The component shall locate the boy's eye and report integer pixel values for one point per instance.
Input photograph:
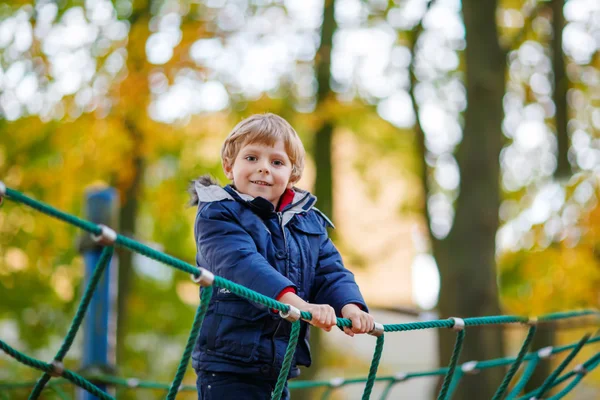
(250, 158)
(278, 163)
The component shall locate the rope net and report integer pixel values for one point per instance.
(452, 374)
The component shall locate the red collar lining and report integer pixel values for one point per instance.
(286, 199)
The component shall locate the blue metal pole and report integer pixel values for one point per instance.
(99, 326)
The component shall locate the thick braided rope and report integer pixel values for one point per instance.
(452, 367)
(458, 374)
(515, 366)
(45, 367)
(374, 367)
(287, 361)
(527, 373)
(104, 260)
(205, 297)
(548, 382)
(589, 365)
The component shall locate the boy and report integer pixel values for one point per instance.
(263, 233)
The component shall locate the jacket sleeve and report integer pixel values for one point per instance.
(227, 250)
(334, 284)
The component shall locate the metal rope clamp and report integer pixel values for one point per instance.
(132, 383)
(545, 352)
(107, 236)
(580, 369)
(57, 370)
(206, 278)
(532, 321)
(336, 382)
(377, 330)
(459, 324)
(470, 367)
(292, 315)
(2, 192)
(400, 377)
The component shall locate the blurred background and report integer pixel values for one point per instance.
(456, 146)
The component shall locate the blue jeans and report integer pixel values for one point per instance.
(226, 385)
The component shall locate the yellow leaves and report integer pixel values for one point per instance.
(62, 283)
(553, 279)
(15, 260)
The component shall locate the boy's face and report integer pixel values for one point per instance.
(261, 170)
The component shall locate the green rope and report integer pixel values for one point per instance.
(287, 361)
(387, 389)
(185, 358)
(373, 369)
(327, 393)
(45, 367)
(589, 365)
(104, 260)
(455, 382)
(515, 366)
(531, 365)
(450, 381)
(548, 382)
(453, 360)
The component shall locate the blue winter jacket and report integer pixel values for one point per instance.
(244, 240)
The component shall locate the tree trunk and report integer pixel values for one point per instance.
(322, 156)
(561, 85)
(466, 257)
(128, 216)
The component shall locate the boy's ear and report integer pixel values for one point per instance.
(292, 182)
(228, 169)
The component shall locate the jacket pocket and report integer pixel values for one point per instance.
(238, 327)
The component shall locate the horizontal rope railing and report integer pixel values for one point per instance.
(108, 237)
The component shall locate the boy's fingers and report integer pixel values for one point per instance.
(356, 324)
(348, 331)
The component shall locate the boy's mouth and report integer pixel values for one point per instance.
(261, 183)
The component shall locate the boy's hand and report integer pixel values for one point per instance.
(361, 321)
(323, 316)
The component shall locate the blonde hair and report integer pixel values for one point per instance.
(265, 129)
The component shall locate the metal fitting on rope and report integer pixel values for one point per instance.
(545, 352)
(459, 324)
(532, 321)
(57, 370)
(2, 191)
(107, 237)
(132, 382)
(377, 330)
(336, 382)
(469, 367)
(400, 376)
(580, 369)
(206, 278)
(292, 315)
